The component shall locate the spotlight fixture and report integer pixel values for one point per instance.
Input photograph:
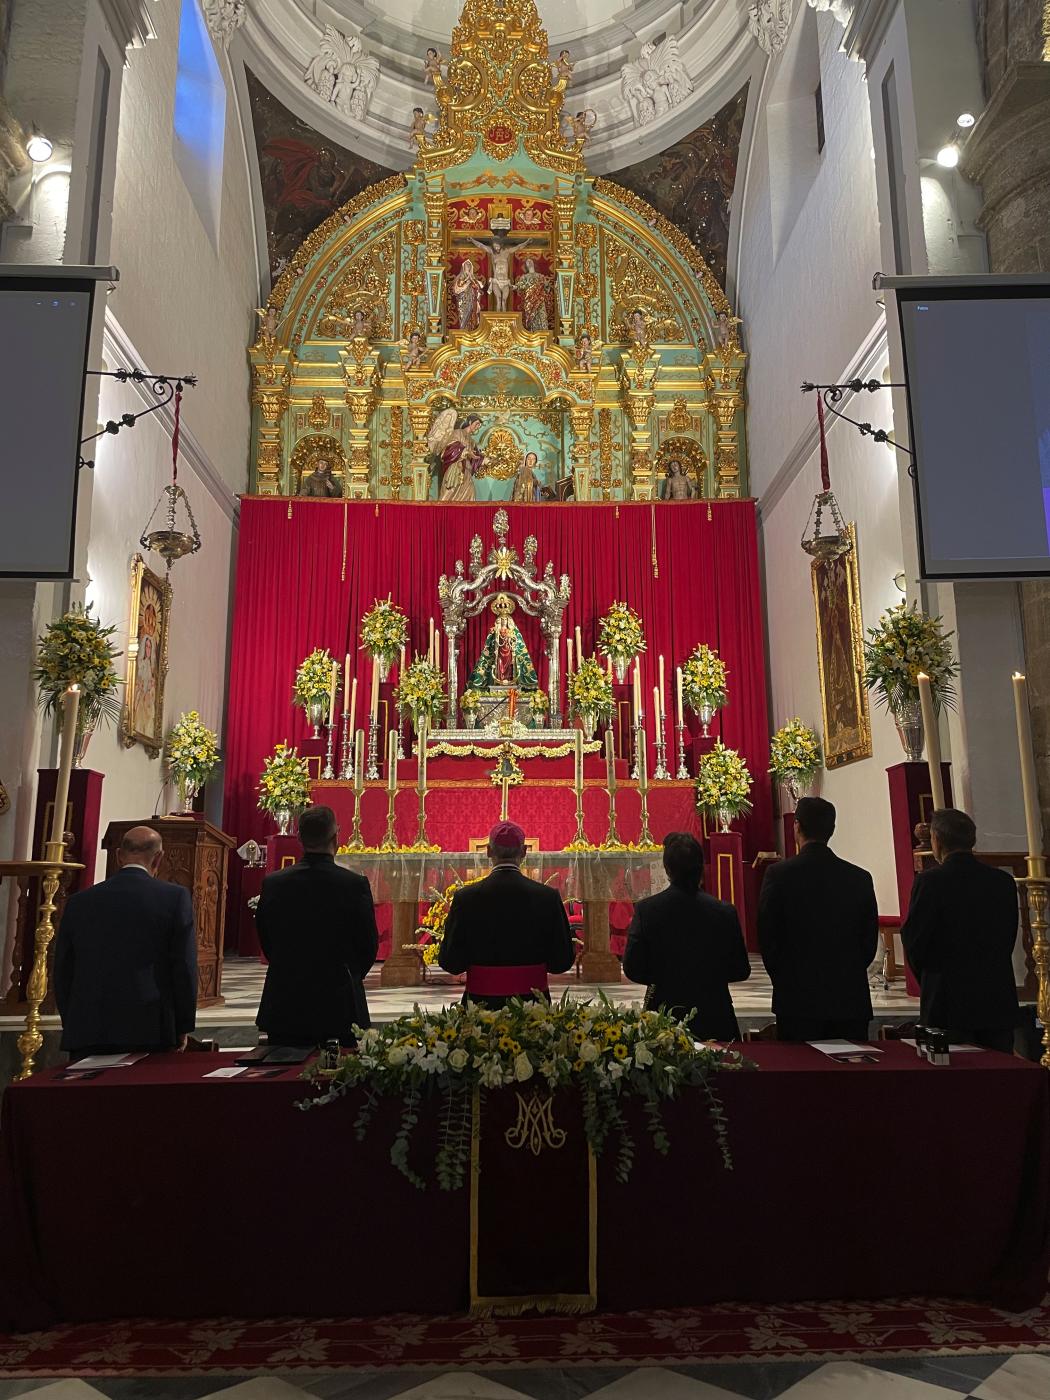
(965, 120)
(948, 156)
(38, 147)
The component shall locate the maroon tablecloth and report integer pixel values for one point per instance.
(848, 1181)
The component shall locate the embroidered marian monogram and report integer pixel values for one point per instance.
(535, 1128)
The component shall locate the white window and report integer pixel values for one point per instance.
(200, 117)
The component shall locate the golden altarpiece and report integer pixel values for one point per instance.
(499, 279)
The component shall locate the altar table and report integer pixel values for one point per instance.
(849, 1181)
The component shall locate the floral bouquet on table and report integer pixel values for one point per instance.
(538, 707)
(192, 754)
(607, 1053)
(470, 703)
(590, 694)
(794, 757)
(420, 693)
(384, 631)
(704, 683)
(75, 649)
(620, 637)
(723, 785)
(284, 788)
(313, 685)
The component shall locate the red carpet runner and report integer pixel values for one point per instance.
(687, 1336)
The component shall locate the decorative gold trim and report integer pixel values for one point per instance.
(154, 742)
(862, 749)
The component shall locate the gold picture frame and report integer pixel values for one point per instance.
(142, 718)
(840, 657)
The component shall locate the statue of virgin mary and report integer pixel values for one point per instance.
(504, 661)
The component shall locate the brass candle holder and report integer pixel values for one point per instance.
(356, 840)
(1037, 892)
(390, 839)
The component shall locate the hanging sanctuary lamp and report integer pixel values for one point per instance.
(819, 542)
(170, 542)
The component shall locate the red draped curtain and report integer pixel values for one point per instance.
(307, 571)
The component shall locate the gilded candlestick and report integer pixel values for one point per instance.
(390, 839)
(612, 836)
(356, 840)
(1037, 890)
(645, 836)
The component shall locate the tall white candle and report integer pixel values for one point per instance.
(391, 760)
(933, 740)
(608, 667)
(663, 688)
(70, 706)
(333, 687)
(678, 693)
(568, 653)
(610, 761)
(437, 650)
(373, 708)
(579, 645)
(352, 711)
(421, 746)
(656, 709)
(578, 776)
(637, 693)
(1030, 788)
(359, 760)
(346, 685)
(401, 664)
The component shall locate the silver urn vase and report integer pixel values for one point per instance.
(315, 714)
(908, 719)
(283, 818)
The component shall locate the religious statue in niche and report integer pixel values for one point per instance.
(532, 287)
(455, 455)
(504, 661)
(500, 252)
(676, 485)
(468, 288)
(526, 485)
(320, 483)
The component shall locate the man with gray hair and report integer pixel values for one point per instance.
(506, 932)
(126, 958)
(959, 937)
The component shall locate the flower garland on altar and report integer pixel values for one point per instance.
(607, 1053)
(704, 679)
(455, 749)
(905, 642)
(384, 631)
(75, 650)
(723, 783)
(620, 635)
(795, 756)
(420, 693)
(590, 691)
(285, 782)
(313, 679)
(192, 751)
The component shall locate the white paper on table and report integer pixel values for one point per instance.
(843, 1047)
(107, 1061)
(226, 1072)
(958, 1049)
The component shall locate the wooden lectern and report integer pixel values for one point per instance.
(196, 855)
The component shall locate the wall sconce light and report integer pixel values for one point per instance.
(38, 147)
(948, 156)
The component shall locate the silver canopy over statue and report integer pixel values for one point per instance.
(504, 659)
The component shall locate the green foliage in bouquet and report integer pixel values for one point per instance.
(384, 630)
(704, 679)
(192, 750)
(723, 783)
(285, 782)
(75, 649)
(905, 642)
(795, 756)
(313, 679)
(620, 633)
(590, 690)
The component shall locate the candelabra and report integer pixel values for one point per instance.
(639, 741)
(422, 844)
(661, 770)
(328, 772)
(1038, 893)
(373, 750)
(346, 757)
(580, 839)
(612, 836)
(390, 839)
(645, 836)
(683, 771)
(400, 743)
(356, 839)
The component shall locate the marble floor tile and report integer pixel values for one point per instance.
(847, 1380)
(658, 1383)
(68, 1389)
(259, 1388)
(1018, 1378)
(458, 1385)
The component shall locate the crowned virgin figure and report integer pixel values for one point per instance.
(504, 661)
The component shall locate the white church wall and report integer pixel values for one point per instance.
(809, 244)
(186, 303)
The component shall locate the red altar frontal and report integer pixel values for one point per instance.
(307, 571)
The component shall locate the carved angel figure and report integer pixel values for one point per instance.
(770, 23)
(563, 66)
(432, 67)
(579, 127)
(450, 443)
(268, 321)
(657, 82)
(343, 74)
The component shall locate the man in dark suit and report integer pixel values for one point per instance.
(818, 929)
(317, 927)
(126, 958)
(507, 932)
(959, 937)
(688, 946)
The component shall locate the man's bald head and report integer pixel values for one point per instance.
(141, 846)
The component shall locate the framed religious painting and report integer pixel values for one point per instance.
(142, 721)
(840, 658)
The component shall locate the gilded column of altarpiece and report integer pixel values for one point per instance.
(500, 279)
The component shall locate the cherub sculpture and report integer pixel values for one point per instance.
(579, 127)
(432, 65)
(563, 66)
(343, 74)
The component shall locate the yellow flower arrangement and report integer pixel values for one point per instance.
(285, 782)
(421, 692)
(590, 691)
(620, 634)
(723, 783)
(75, 650)
(384, 630)
(192, 750)
(469, 702)
(645, 1055)
(704, 679)
(905, 642)
(313, 679)
(795, 756)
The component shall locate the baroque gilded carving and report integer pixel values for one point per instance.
(635, 286)
(770, 23)
(362, 287)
